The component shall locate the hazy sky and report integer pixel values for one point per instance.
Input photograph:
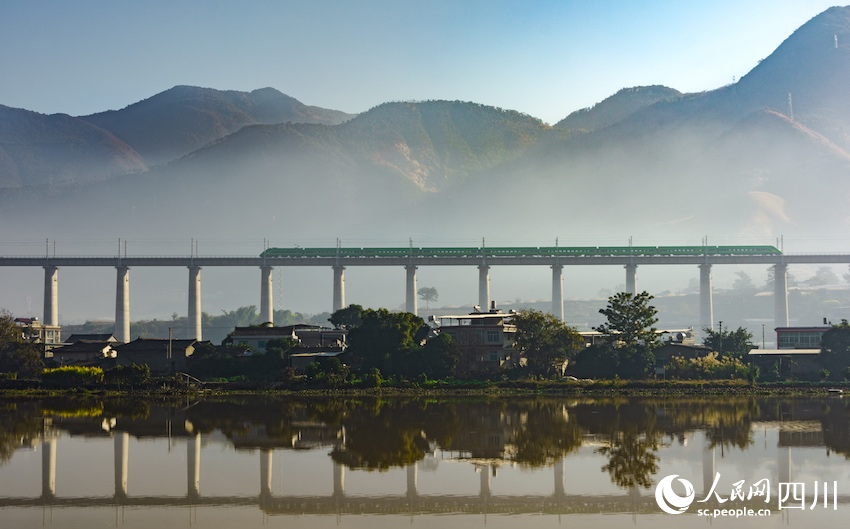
(544, 58)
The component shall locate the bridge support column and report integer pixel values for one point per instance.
(122, 304)
(558, 291)
(339, 287)
(265, 473)
(780, 295)
(193, 462)
(412, 481)
(706, 305)
(266, 295)
(411, 304)
(709, 465)
(194, 316)
(484, 287)
(485, 490)
(51, 296)
(783, 463)
(339, 480)
(122, 460)
(631, 279)
(559, 477)
(48, 466)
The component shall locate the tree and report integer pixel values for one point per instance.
(545, 341)
(428, 294)
(744, 283)
(438, 358)
(824, 276)
(281, 347)
(835, 348)
(16, 355)
(385, 340)
(348, 318)
(735, 344)
(631, 319)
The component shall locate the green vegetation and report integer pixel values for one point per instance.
(628, 353)
(546, 342)
(18, 358)
(709, 367)
(72, 376)
(735, 344)
(835, 351)
(428, 295)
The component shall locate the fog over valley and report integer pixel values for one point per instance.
(762, 160)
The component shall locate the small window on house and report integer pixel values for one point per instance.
(494, 356)
(493, 336)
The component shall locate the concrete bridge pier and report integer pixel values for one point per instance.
(193, 462)
(194, 316)
(339, 287)
(51, 296)
(631, 279)
(266, 295)
(780, 295)
(266, 473)
(783, 463)
(484, 287)
(339, 480)
(558, 291)
(709, 465)
(559, 478)
(706, 305)
(122, 304)
(122, 460)
(48, 466)
(412, 481)
(411, 304)
(485, 490)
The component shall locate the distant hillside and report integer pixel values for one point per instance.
(185, 118)
(647, 161)
(36, 149)
(436, 143)
(617, 107)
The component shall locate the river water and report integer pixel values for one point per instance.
(242, 462)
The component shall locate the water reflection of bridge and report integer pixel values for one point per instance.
(796, 434)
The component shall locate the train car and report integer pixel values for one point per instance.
(522, 251)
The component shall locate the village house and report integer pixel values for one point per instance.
(32, 330)
(85, 352)
(163, 356)
(308, 337)
(485, 338)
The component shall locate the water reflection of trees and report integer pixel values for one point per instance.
(547, 434)
(632, 459)
(381, 433)
(632, 439)
(20, 424)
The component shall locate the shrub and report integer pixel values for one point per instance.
(73, 375)
(707, 367)
(373, 379)
(131, 375)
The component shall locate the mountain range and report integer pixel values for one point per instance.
(766, 156)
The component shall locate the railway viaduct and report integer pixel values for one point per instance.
(410, 259)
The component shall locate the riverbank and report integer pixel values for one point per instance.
(12, 388)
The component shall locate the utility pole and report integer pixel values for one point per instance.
(168, 354)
